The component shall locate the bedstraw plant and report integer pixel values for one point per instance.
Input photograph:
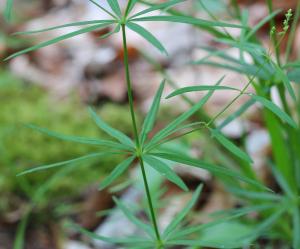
(241, 180)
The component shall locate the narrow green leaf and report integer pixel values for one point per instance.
(114, 31)
(20, 234)
(40, 193)
(253, 195)
(175, 123)
(296, 227)
(185, 19)
(206, 244)
(58, 39)
(229, 215)
(145, 227)
(54, 165)
(73, 24)
(284, 78)
(129, 241)
(105, 10)
(261, 24)
(155, 7)
(8, 9)
(246, 46)
(281, 180)
(264, 225)
(165, 170)
(118, 171)
(240, 67)
(230, 146)
(147, 35)
(214, 169)
(244, 107)
(121, 137)
(151, 115)
(114, 5)
(77, 139)
(130, 7)
(200, 88)
(275, 109)
(242, 211)
(183, 213)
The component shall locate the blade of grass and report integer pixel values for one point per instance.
(284, 78)
(296, 227)
(21, 230)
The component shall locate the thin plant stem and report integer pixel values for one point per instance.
(235, 99)
(274, 38)
(129, 88)
(105, 10)
(292, 32)
(138, 147)
(150, 203)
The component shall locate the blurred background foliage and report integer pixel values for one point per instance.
(21, 147)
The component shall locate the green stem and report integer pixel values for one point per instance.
(129, 88)
(150, 203)
(292, 33)
(138, 147)
(235, 99)
(274, 38)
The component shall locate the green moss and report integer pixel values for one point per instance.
(21, 147)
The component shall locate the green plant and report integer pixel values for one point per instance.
(263, 74)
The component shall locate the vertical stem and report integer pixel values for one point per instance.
(274, 38)
(130, 97)
(129, 88)
(152, 212)
(292, 33)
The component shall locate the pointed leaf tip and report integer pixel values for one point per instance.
(147, 35)
(230, 145)
(118, 171)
